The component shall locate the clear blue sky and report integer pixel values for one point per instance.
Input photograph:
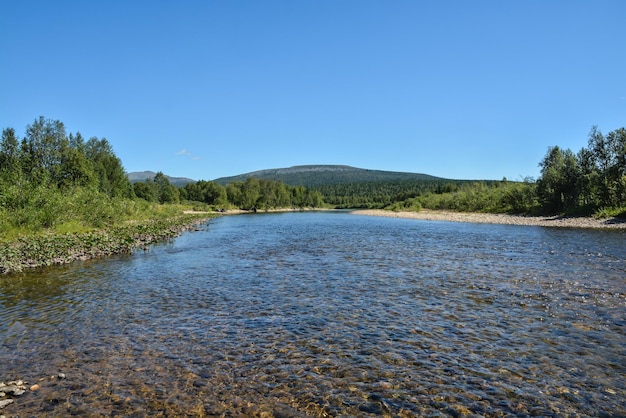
(205, 89)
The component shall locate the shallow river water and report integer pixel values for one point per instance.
(327, 314)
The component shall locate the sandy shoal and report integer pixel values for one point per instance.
(496, 218)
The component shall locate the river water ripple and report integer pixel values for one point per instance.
(328, 314)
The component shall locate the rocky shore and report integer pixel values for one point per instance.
(54, 249)
(498, 218)
(11, 391)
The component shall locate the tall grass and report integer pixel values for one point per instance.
(502, 197)
(40, 226)
(35, 209)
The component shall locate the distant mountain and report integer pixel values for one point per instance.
(321, 175)
(136, 177)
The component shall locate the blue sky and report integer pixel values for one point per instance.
(206, 89)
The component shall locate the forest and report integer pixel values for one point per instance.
(50, 179)
(251, 194)
(58, 181)
(590, 182)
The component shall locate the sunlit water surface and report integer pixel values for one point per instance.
(327, 314)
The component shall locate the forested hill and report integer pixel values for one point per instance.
(322, 175)
(143, 176)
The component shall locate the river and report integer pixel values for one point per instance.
(327, 314)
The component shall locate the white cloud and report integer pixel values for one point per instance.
(183, 152)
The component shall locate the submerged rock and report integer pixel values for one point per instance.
(10, 390)
(5, 402)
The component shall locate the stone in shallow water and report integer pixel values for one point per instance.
(371, 408)
(5, 402)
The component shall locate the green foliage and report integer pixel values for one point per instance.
(158, 190)
(611, 212)
(314, 176)
(379, 194)
(54, 248)
(558, 187)
(207, 192)
(46, 156)
(166, 192)
(590, 181)
(252, 194)
(53, 181)
(49, 179)
(493, 197)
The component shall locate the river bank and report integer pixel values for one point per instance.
(499, 218)
(53, 249)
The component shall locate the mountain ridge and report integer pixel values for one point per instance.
(142, 176)
(303, 175)
(324, 174)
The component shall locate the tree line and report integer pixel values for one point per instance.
(49, 177)
(591, 180)
(252, 194)
(46, 156)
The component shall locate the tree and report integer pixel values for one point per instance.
(75, 170)
(234, 193)
(251, 192)
(108, 169)
(45, 142)
(166, 192)
(213, 193)
(616, 170)
(588, 178)
(606, 159)
(558, 187)
(10, 167)
(146, 191)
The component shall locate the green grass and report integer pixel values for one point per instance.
(503, 197)
(610, 212)
(41, 226)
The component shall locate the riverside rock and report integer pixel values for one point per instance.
(5, 402)
(11, 390)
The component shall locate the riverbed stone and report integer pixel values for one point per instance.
(5, 402)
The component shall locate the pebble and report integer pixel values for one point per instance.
(5, 402)
(497, 218)
(14, 388)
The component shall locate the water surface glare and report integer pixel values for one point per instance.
(328, 314)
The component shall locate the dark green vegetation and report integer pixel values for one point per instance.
(49, 179)
(64, 198)
(55, 248)
(320, 175)
(590, 182)
(593, 180)
(150, 175)
(476, 196)
(252, 194)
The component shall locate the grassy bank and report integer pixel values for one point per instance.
(56, 246)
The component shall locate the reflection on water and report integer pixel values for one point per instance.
(328, 314)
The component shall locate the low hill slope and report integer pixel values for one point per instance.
(321, 175)
(141, 176)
